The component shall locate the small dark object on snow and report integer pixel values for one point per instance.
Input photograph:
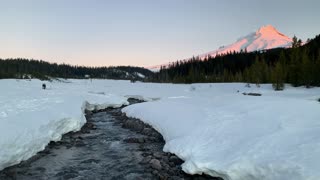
(252, 94)
(319, 100)
(44, 86)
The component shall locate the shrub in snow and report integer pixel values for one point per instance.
(278, 86)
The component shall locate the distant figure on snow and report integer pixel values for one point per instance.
(43, 86)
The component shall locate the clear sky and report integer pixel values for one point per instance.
(141, 32)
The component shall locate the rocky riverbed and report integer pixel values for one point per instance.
(109, 146)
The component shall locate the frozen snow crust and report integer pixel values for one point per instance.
(214, 128)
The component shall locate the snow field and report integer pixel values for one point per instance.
(214, 128)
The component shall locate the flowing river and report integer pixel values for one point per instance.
(105, 148)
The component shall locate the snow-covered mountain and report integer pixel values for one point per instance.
(266, 37)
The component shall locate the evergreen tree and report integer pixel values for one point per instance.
(278, 77)
(294, 68)
(258, 71)
(227, 76)
(299, 42)
(264, 71)
(283, 61)
(238, 77)
(306, 72)
(247, 76)
(317, 70)
(295, 42)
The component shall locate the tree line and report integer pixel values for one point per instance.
(298, 65)
(25, 68)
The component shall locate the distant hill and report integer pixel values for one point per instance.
(25, 68)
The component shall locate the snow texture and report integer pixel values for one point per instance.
(214, 128)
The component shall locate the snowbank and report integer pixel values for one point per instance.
(224, 133)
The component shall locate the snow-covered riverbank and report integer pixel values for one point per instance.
(214, 128)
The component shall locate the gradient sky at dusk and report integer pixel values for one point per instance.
(141, 32)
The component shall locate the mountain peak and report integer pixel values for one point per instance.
(266, 37)
(268, 29)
